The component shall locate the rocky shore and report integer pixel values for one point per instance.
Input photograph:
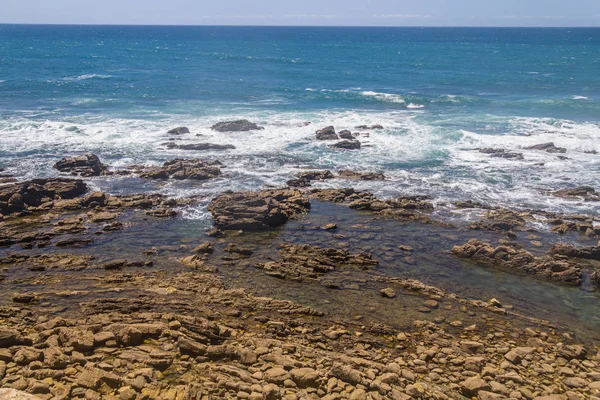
(102, 297)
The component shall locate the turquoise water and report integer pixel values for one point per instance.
(440, 93)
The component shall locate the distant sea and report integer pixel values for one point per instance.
(440, 94)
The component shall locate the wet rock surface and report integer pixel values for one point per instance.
(179, 131)
(199, 146)
(547, 147)
(85, 165)
(363, 176)
(193, 169)
(502, 153)
(346, 145)
(513, 258)
(327, 133)
(241, 125)
(255, 211)
(28, 196)
(586, 193)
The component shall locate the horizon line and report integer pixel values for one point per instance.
(303, 26)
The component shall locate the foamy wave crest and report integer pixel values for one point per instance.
(87, 76)
(384, 97)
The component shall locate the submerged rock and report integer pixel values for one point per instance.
(200, 146)
(547, 147)
(512, 258)
(364, 176)
(86, 165)
(502, 153)
(327, 133)
(179, 131)
(346, 145)
(240, 125)
(257, 211)
(194, 169)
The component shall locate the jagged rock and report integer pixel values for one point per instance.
(519, 260)
(474, 385)
(547, 147)
(20, 197)
(256, 211)
(499, 220)
(204, 248)
(200, 146)
(327, 133)
(240, 125)
(586, 193)
(10, 337)
(346, 145)
(502, 153)
(194, 169)
(80, 339)
(588, 253)
(94, 378)
(300, 182)
(364, 176)
(86, 165)
(304, 261)
(315, 175)
(179, 131)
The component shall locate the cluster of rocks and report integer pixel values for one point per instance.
(514, 258)
(256, 211)
(85, 165)
(586, 193)
(304, 179)
(301, 262)
(349, 142)
(500, 220)
(193, 169)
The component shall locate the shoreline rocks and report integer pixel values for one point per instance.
(199, 146)
(346, 145)
(85, 166)
(327, 133)
(547, 147)
(179, 131)
(256, 211)
(180, 168)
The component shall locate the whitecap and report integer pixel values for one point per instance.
(415, 106)
(580, 98)
(87, 76)
(385, 97)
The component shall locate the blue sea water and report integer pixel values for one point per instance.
(440, 93)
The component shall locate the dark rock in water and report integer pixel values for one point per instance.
(364, 127)
(300, 182)
(180, 169)
(513, 258)
(20, 197)
(471, 204)
(345, 134)
(586, 152)
(257, 211)
(240, 125)
(200, 146)
(586, 193)
(364, 176)
(588, 253)
(502, 153)
(547, 147)
(179, 131)
(346, 145)
(327, 133)
(86, 165)
(315, 175)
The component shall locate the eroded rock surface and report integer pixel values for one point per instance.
(194, 169)
(515, 259)
(547, 147)
(199, 146)
(256, 211)
(85, 165)
(240, 125)
(25, 196)
(363, 176)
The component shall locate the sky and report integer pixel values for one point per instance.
(305, 12)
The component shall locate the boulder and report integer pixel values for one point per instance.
(300, 182)
(256, 211)
(474, 385)
(346, 145)
(363, 176)
(240, 125)
(10, 338)
(315, 175)
(327, 133)
(86, 165)
(179, 131)
(346, 134)
(547, 147)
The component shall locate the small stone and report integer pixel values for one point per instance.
(388, 293)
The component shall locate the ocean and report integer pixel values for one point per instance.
(440, 94)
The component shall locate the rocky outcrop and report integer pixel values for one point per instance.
(363, 176)
(586, 193)
(327, 133)
(502, 153)
(86, 165)
(298, 182)
(300, 262)
(193, 169)
(365, 127)
(240, 125)
(515, 259)
(588, 253)
(179, 131)
(547, 147)
(315, 175)
(346, 145)
(257, 211)
(199, 146)
(20, 197)
(499, 220)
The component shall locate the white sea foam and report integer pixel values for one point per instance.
(87, 76)
(415, 106)
(384, 97)
(580, 98)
